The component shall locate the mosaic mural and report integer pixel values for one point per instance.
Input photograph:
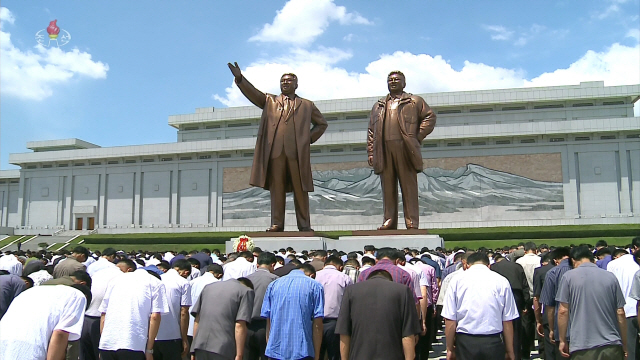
(475, 191)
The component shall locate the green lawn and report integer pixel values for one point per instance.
(8, 240)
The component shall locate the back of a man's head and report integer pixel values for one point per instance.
(366, 260)
(636, 242)
(295, 262)
(81, 276)
(369, 248)
(248, 255)
(126, 265)
(352, 262)
(581, 253)
(478, 258)
(618, 252)
(530, 247)
(182, 264)
(109, 253)
(320, 254)
(83, 251)
(335, 261)
(266, 258)
(216, 269)
(206, 251)
(308, 269)
(388, 253)
(560, 253)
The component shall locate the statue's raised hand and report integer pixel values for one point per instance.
(235, 70)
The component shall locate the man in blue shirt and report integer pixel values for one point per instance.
(550, 290)
(294, 308)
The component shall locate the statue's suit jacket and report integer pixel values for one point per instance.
(303, 114)
(417, 120)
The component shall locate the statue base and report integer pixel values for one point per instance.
(282, 240)
(398, 239)
(273, 241)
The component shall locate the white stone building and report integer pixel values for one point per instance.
(526, 156)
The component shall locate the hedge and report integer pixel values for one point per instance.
(517, 234)
(133, 240)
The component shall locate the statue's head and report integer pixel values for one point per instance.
(288, 84)
(396, 82)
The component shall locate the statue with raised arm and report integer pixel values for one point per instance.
(398, 124)
(281, 160)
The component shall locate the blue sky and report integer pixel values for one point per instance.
(129, 65)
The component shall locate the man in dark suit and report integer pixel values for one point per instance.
(520, 289)
(281, 160)
(256, 335)
(378, 319)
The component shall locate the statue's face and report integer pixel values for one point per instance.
(288, 84)
(395, 83)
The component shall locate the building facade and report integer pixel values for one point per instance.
(512, 157)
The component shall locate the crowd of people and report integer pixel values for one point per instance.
(578, 302)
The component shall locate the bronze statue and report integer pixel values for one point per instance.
(398, 124)
(281, 161)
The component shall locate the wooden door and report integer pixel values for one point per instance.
(79, 223)
(92, 223)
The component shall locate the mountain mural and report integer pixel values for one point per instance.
(358, 192)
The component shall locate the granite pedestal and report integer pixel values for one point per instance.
(271, 243)
(398, 241)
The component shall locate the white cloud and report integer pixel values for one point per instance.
(498, 32)
(634, 33)
(348, 37)
(32, 74)
(302, 21)
(321, 78)
(612, 9)
(6, 16)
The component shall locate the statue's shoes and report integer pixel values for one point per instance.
(275, 228)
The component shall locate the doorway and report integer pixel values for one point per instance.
(92, 223)
(79, 223)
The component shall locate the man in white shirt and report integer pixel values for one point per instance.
(171, 341)
(11, 264)
(90, 338)
(41, 321)
(130, 316)
(105, 261)
(529, 262)
(478, 311)
(243, 266)
(213, 273)
(624, 268)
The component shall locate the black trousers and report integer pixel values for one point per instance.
(517, 337)
(207, 355)
(528, 333)
(330, 340)
(480, 347)
(551, 350)
(121, 355)
(90, 338)
(256, 340)
(167, 349)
